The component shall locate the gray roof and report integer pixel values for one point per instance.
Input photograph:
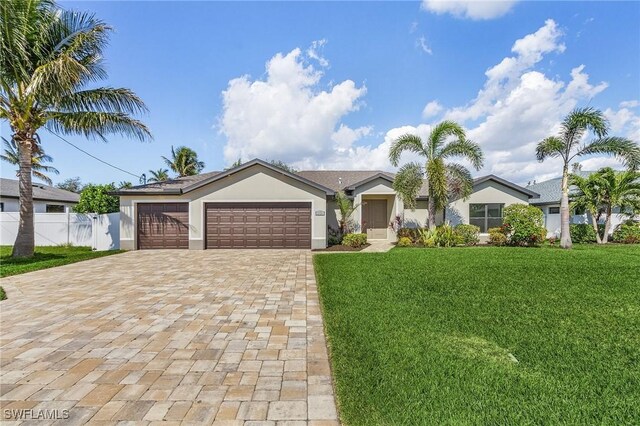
(342, 179)
(550, 190)
(9, 189)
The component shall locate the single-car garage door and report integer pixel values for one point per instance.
(163, 225)
(258, 225)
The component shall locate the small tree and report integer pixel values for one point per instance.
(618, 190)
(524, 225)
(73, 184)
(346, 207)
(159, 175)
(184, 161)
(588, 196)
(96, 199)
(282, 165)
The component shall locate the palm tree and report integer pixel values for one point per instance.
(346, 207)
(568, 145)
(38, 158)
(618, 190)
(588, 196)
(48, 58)
(444, 180)
(159, 175)
(184, 161)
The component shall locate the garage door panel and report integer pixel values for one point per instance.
(258, 225)
(163, 225)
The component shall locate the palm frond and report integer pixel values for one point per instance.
(552, 147)
(460, 181)
(405, 143)
(624, 149)
(581, 120)
(98, 124)
(441, 132)
(466, 149)
(407, 183)
(103, 99)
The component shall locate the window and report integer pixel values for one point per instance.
(554, 210)
(55, 208)
(1, 207)
(485, 216)
(579, 211)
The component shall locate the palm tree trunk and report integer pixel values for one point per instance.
(594, 223)
(431, 220)
(565, 234)
(607, 225)
(25, 240)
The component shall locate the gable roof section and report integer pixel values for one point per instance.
(341, 179)
(528, 192)
(190, 183)
(9, 188)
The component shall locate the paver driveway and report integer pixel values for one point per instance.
(162, 336)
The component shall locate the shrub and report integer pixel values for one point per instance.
(446, 236)
(427, 237)
(497, 237)
(405, 242)
(3, 295)
(412, 233)
(524, 225)
(354, 240)
(582, 233)
(627, 233)
(469, 234)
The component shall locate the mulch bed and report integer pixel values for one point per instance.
(342, 248)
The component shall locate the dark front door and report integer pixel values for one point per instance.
(258, 225)
(163, 225)
(374, 219)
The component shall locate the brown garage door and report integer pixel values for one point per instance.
(163, 225)
(258, 225)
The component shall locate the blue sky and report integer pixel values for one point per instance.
(352, 76)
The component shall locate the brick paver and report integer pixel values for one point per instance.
(165, 336)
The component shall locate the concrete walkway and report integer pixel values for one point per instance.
(224, 337)
(378, 246)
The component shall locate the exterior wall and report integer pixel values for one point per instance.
(418, 218)
(253, 184)
(485, 193)
(552, 221)
(12, 205)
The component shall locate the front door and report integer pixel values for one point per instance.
(374, 219)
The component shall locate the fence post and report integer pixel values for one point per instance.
(68, 226)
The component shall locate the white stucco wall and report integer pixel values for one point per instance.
(12, 205)
(254, 184)
(378, 189)
(487, 192)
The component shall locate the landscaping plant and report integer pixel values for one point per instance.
(427, 237)
(568, 144)
(497, 236)
(446, 236)
(469, 234)
(405, 242)
(354, 240)
(627, 233)
(524, 225)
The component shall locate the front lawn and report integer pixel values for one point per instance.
(46, 257)
(485, 335)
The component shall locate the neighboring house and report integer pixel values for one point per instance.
(257, 205)
(46, 199)
(549, 202)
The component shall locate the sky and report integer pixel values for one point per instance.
(329, 85)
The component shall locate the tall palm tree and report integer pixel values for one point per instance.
(588, 196)
(38, 158)
(184, 161)
(48, 58)
(159, 175)
(445, 180)
(568, 145)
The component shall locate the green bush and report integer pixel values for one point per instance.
(627, 233)
(497, 237)
(354, 240)
(427, 237)
(582, 233)
(3, 295)
(405, 242)
(524, 225)
(469, 234)
(446, 236)
(412, 233)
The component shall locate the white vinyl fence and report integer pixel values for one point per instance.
(100, 232)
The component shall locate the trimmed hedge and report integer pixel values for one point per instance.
(627, 233)
(354, 240)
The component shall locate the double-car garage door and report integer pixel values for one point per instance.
(227, 225)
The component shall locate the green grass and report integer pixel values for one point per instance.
(431, 336)
(46, 257)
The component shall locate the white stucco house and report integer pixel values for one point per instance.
(46, 199)
(257, 205)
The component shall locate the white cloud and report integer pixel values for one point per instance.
(629, 104)
(431, 109)
(286, 115)
(313, 52)
(471, 9)
(421, 43)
